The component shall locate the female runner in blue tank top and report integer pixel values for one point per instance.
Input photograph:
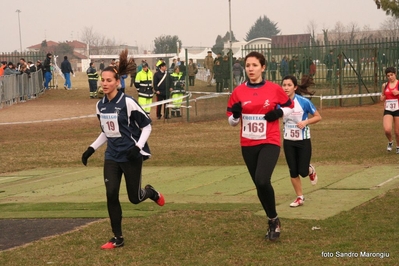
(126, 128)
(297, 144)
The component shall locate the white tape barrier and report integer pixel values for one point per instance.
(166, 101)
(349, 96)
(207, 96)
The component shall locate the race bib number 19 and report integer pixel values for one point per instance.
(109, 123)
(253, 126)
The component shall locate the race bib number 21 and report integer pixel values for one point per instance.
(253, 126)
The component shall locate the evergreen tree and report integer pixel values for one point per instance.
(263, 27)
(219, 43)
(166, 44)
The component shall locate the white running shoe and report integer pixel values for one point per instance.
(389, 146)
(297, 202)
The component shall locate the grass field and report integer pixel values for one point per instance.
(348, 145)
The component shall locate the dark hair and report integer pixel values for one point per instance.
(125, 66)
(65, 57)
(257, 55)
(390, 70)
(306, 82)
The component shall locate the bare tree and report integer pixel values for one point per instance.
(353, 30)
(390, 27)
(312, 29)
(99, 44)
(338, 33)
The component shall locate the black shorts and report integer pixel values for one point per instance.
(297, 155)
(393, 113)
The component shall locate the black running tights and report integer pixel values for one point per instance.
(260, 161)
(112, 178)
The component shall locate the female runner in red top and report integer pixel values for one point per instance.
(255, 104)
(390, 94)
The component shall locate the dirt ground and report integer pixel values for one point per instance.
(17, 232)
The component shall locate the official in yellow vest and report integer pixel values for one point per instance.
(144, 87)
(177, 90)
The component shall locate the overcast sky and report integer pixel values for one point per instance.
(195, 22)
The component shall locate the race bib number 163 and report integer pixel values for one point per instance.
(253, 126)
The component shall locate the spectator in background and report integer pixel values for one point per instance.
(32, 67)
(218, 58)
(284, 67)
(329, 62)
(217, 70)
(183, 69)
(24, 69)
(273, 69)
(177, 90)
(143, 84)
(10, 69)
(39, 66)
(93, 78)
(208, 65)
(192, 71)
(66, 69)
(102, 66)
(21, 63)
(237, 72)
(133, 72)
(225, 63)
(47, 70)
(312, 68)
(2, 67)
(113, 63)
(174, 63)
(161, 85)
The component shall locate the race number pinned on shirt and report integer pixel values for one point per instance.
(109, 124)
(292, 132)
(391, 105)
(253, 126)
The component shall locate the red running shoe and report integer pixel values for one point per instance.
(114, 242)
(313, 175)
(159, 198)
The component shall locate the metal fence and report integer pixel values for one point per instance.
(19, 88)
(357, 67)
(28, 56)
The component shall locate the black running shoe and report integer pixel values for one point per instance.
(159, 198)
(273, 232)
(114, 242)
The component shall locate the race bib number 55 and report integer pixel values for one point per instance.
(253, 126)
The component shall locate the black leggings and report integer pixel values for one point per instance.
(260, 161)
(297, 155)
(112, 179)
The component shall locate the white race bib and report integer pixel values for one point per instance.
(391, 105)
(253, 126)
(292, 132)
(109, 124)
